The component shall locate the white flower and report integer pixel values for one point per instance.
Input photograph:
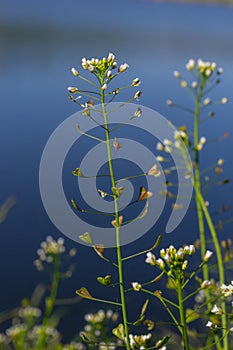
(208, 72)
(191, 249)
(91, 68)
(167, 142)
(136, 286)
(160, 263)
(205, 284)
(151, 259)
(177, 144)
(162, 252)
(109, 74)
(185, 265)
(194, 84)
(209, 324)
(72, 89)
(208, 255)
(74, 71)
(159, 159)
(159, 146)
(104, 87)
(123, 67)
(136, 82)
(137, 113)
(179, 134)
(202, 140)
(168, 149)
(183, 84)
(224, 100)
(199, 147)
(216, 310)
(84, 63)
(137, 95)
(180, 253)
(220, 161)
(169, 103)
(190, 65)
(176, 74)
(227, 290)
(111, 57)
(206, 101)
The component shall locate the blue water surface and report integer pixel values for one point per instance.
(39, 43)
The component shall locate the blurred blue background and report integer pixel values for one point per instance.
(39, 43)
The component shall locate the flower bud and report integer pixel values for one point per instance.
(74, 71)
(123, 67)
(72, 89)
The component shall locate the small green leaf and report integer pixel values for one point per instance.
(138, 321)
(142, 314)
(157, 243)
(83, 292)
(106, 281)
(86, 237)
(191, 315)
(144, 307)
(171, 284)
(86, 339)
(119, 331)
(75, 205)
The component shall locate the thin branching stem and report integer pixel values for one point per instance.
(117, 227)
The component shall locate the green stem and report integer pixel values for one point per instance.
(201, 209)
(197, 182)
(220, 268)
(49, 304)
(182, 315)
(117, 228)
(165, 306)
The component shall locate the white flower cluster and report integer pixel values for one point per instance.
(206, 68)
(107, 346)
(74, 346)
(29, 312)
(101, 315)
(211, 325)
(16, 330)
(103, 69)
(201, 143)
(48, 250)
(227, 290)
(139, 341)
(180, 137)
(173, 258)
(4, 340)
(50, 332)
